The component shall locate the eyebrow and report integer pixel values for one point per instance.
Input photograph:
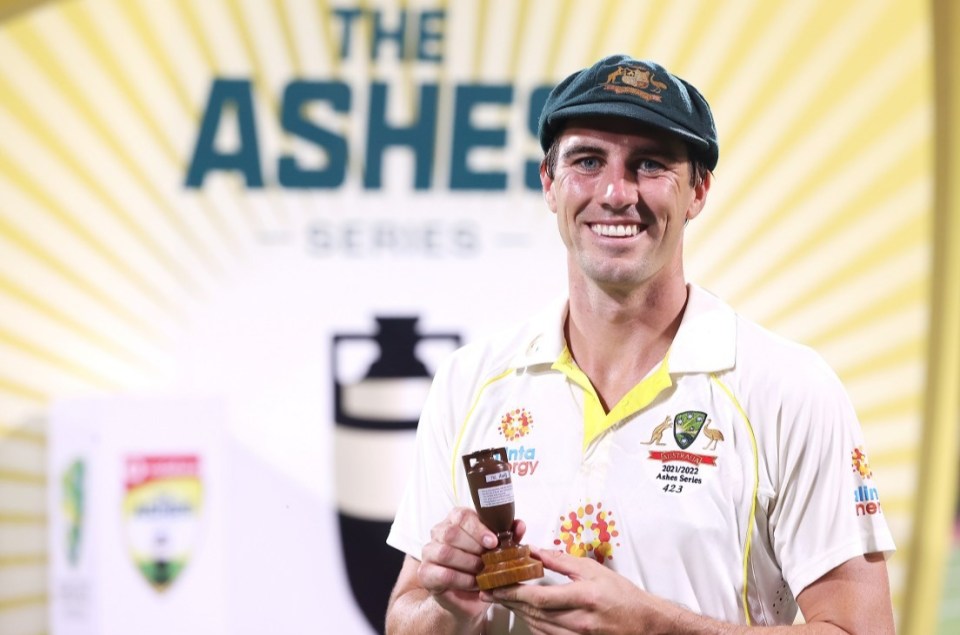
(653, 149)
(582, 148)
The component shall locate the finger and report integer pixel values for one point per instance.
(561, 562)
(438, 579)
(544, 622)
(470, 522)
(462, 529)
(451, 557)
(539, 597)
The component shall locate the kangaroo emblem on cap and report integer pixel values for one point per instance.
(636, 80)
(636, 77)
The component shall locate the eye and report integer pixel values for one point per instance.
(649, 165)
(588, 163)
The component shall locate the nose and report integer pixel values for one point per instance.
(619, 189)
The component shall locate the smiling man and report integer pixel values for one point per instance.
(742, 516)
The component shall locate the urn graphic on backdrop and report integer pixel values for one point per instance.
(380, 385)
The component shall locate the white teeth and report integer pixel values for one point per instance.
(614, 230)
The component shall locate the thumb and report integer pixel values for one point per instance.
(519, 529)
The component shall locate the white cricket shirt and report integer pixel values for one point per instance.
(728, 480)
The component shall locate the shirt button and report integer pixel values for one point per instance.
(534, 346)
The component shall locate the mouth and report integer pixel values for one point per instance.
(615, 230)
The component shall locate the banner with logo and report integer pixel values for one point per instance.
(161, 514)
(298, 208)
(140, 531)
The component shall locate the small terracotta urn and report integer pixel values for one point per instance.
(488, 474)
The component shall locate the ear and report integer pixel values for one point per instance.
(546, 182)
(699, 196)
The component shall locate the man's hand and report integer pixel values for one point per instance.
(451, 561)
(446, 576)
(596, 600)
(851, 598)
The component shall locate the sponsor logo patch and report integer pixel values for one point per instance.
(861, 465)
(515, 424)
(866, 498)
(523, 461)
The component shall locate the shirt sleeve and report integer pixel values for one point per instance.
(428, 495)
(828, 508)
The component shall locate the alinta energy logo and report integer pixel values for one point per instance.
(73, 504)
(516, 424)
(588, 531)
(861, 465)
(866, 499)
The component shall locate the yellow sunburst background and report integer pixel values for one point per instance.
(821, 225)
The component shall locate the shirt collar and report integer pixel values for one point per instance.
(544, 341)
(705, 341)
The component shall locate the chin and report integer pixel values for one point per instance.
(607, 273)
(617, 279)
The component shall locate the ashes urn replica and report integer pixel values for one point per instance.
(488, 474)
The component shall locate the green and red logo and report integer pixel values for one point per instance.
(161, 512)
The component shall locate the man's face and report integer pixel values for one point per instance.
(621, 192)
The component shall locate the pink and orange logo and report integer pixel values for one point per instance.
(516, 424)
(861, 464)
(588, 531)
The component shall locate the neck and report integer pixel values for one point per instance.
(617, 338)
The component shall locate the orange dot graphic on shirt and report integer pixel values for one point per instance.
(516, 423)
(582, 533)
(861, 464)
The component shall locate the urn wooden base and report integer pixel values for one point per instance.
(506, 566)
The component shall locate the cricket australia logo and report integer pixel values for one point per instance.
(687, 426)
(635, 80)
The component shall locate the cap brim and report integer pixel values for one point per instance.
(626, 110)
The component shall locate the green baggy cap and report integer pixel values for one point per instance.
(621, 86)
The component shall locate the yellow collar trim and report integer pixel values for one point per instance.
(595, 420)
